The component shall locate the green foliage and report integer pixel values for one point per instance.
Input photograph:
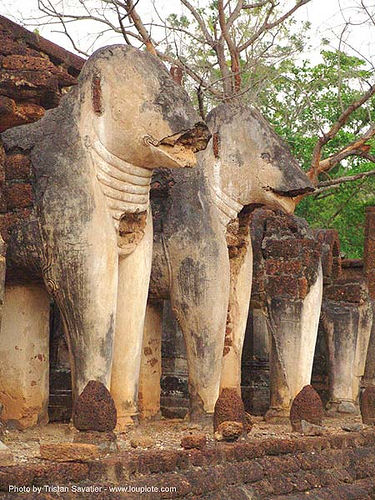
(303, 101)
(342, 209)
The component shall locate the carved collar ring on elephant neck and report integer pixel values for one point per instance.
(126, 187)
(228, 208)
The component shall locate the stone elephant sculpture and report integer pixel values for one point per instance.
(346, 323)
(202, 252)
(87, 236)
(285, 306)
(344, 332)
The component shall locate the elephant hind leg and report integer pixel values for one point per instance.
(150, 373)
(24, 348)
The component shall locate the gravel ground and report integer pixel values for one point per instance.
(162, 434)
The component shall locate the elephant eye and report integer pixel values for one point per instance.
(266, 157)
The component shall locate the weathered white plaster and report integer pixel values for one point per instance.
(348, 333)
(309, 332)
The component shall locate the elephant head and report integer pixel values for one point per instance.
(131, 105)
(250, 163)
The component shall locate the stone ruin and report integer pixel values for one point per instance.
(294, 270)
(341, 354)
(86, 152)
(345, 325)
(35, 73)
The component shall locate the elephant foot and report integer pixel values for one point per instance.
(94, 409)
(277, 416)
(337, 408)
(126, 422)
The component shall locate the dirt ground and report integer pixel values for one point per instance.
(161, 434)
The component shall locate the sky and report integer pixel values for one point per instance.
(326, 17)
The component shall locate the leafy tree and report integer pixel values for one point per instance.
(213, 42)
(306, 99)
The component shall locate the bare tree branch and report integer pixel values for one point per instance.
(341, 180)
(234, 15)
(234, 54)
(200, 22)
(266, 26)
(188, 71)
(130, 9)
(325, 138)
(344, 204)
(355, 148)
(121, 23)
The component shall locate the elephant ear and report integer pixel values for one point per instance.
(96, 94)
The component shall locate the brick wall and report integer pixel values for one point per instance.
(331, 467)
(34, 73)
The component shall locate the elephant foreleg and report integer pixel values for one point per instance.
(199, 298)
(294, 328)
(241, 268)
(340, 329)
(81, 274)
(363, 340)
(134, 278)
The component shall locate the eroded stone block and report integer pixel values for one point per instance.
(94, 409)
(229, 407)
(69, 452)
(229, 431)
(306, 406)
(195, 440)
